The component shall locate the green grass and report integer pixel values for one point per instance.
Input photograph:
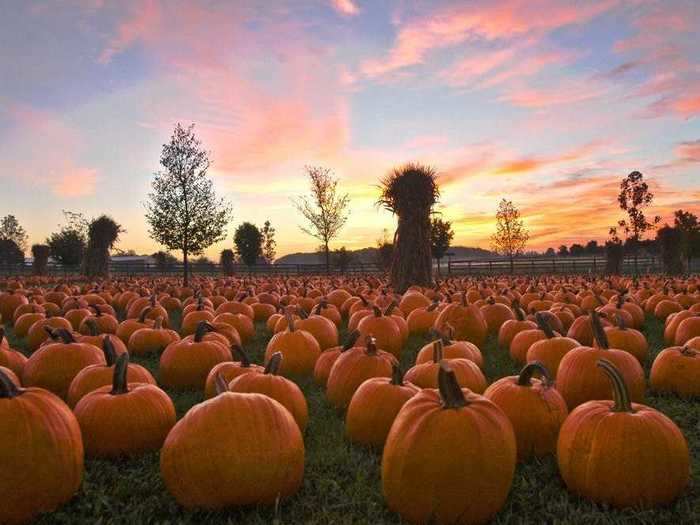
(342, 481)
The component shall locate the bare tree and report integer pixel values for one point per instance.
(325, 210)
(183, 211)
(634, 196)
(511, 235)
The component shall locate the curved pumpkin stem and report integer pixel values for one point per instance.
(290, 320)
(450, 391)
(532, 368)
(119, 378)
(433, 306)
(92, 327)
(108, 350)
(144, 313)
(273, 365)
(350, 340)
(158, 325)
(390, 308)
(689, 352)
(220, 384)
(240, 354)
(377, 311)
(202, 328)
(543, 324)
(371, 345)
(620, 321)
(8, 389)
(598, 332)
(621, 395)
(95, 308)
(65, 335)
(396, 375)
(437, 351)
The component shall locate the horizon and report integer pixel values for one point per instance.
(546, 103)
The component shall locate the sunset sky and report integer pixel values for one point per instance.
(548, 103)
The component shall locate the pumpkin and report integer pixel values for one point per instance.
(129, 326)
(230, 370)
(580, 379)
(582, 329)
(374, 406)
(93, 377)
(42, 452)
(512, 327)
(422, 319)
(277, 387)
(551, 350)
(467, 321)
(534, 407)
(193, 318)
(671, 325)
(353, 367)
(186, 364)
(325, 361)
(621, 453)
(299, 348)
(384, 329)
(55, 365)
(97, 339)
(467, 372)
(124, 418)
(439, 439)
(151, 339)
(106, 323)
(25, 321)
(10, 358)
(522, 342)
(627, 339)
(496, 314)
(687, 329)
(9, 302)
(677, 370)
(204, 464)
(324, 330)
(451, 350)
(38, 332)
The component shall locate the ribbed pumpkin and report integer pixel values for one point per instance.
(9, 302)
(38, 332)
(126, 418)
(106, 323)
(551, 350)
(185, 364)
(10, 358)
(325, 361)
(151, 340)
(677, 370)
(582, 329)
(451, 349)
(129, 326)
(54, 365)
(671, 325)
(241, 322)
(230, 370)
(384, 329)
(627, 339)
(299, 348)
(204, 465)
(374, 406)
(580, 379)
(534, 407)
(95, 376)
(97, 339)
(522, 342)
(277, 387)
(467, 372)
(355, 366)
(421, 320)
(324, 330)
(439, 440)
(25, 322)
(511, 327)
(192, 319)
(467, 321)
(621, 453)
(42, 453)
(687, 329)
(496, 314)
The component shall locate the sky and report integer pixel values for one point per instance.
(548, 103)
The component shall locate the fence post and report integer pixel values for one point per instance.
(595, 268)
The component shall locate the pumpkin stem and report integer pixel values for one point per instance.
(377, 311)
(240, 354)
(688, 352)
(65, 336)
(433, 306)
(396, 375)
(108, 350)
(119, 379)
(518, 310)
(543, 324)
(92, 327)
(464, 299)
(273, 365)
(437, 351)
(290, 320)
(8, 389)
(371, 345)
(598, 332)
(621, 321)
(390, 308)
(621, 395)
(2, 334)
(450, 391)
(144, 313)
(158, 325)
(202, 328)
(220, 384)
(350, 340)
(532, 368)
(98, 312)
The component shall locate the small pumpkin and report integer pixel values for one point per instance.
(230, 370)
(325, 361)
(299, 348)
(467, 372)
(551, 350)
(677, 369)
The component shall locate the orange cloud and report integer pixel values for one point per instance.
(689, 151)
(78, 183)
(345, 7)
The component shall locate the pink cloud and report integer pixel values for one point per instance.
(78, 183)
(137, 27)
(689, 151)
(567, 92)
(346, 7)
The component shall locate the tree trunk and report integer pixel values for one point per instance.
(411, 261)
(185, 269)
(512, 266)
(328, 258)
(438, 266)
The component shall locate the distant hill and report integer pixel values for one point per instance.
(369, 255)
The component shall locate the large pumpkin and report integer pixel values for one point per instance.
(234, 449)
(677, 370)
(621, 453)
(299, 348)
(449, 456)
(466, 320)
(42, 452)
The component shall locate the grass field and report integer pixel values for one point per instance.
(342, 482)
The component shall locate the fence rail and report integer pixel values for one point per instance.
(520, 265)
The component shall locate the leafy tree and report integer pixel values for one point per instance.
(441, 236)
(68, 244)
(103, 233)
(614, 253)
(563, 251)
(183, 211)
(11, 230)
(410, 192)
(591, 247)
(164, 261)
(10, 253)
(633, 198)
(269, 244)
(343, 258)
(576, 250)
(248, 240)
(511, 235)
(670, 240)
(689, 229)
(227, 259)
(550, 252)
(385, 252)
(325, 210)
(40, 253)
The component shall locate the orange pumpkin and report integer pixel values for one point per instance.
(299, 348)
(325, 361)
(551, 350)
(230, 370)
(467, 372)
(467, 321)
(677, 370)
